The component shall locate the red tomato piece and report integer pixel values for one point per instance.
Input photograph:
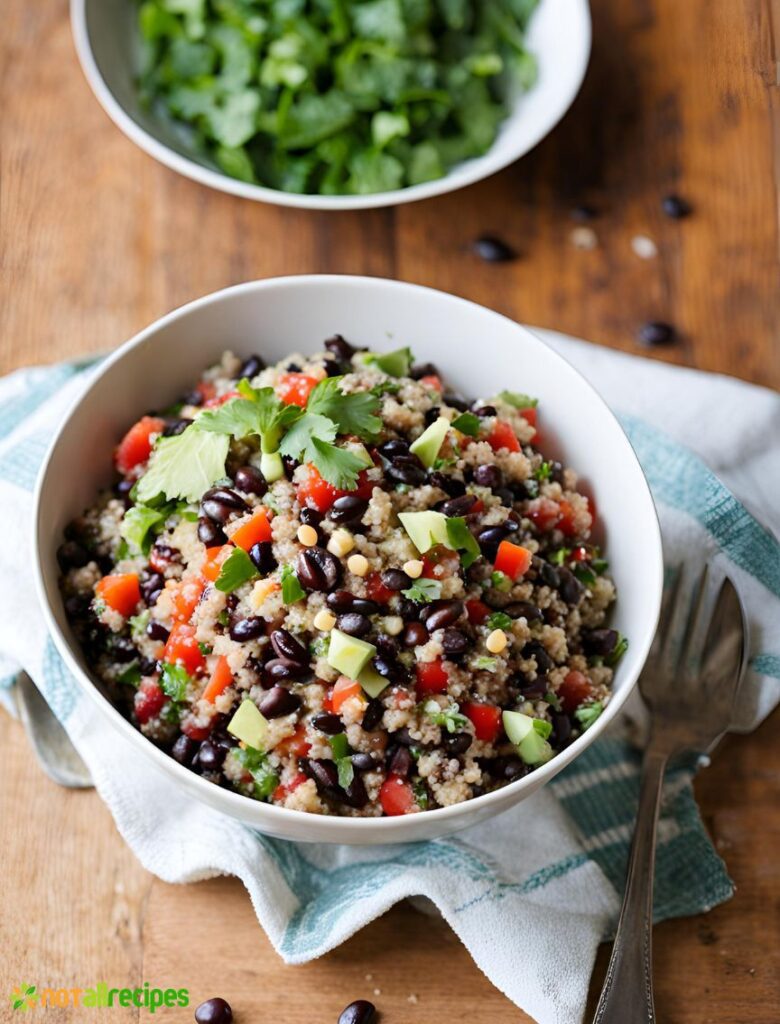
(431, 677)
(185, 596)
(283, 790)
(486, 719)
(574, 689)
(182, 647)
(478, 612)
(580, 554)
(206, 389)
(195, 732)
(502, 436)
(295, 744)
(433, 382)
(136, 446)
(478, 506)
(295, 388)
(343, 690)
(221, 678)
(121, 592)
(148, 700)
(216, 401)
(543, 513)
(512, 560)
(255, 531)
(214, 558)
(529, 415)
(396, 796)
(439, 563)
(566, 521)
(376, 590)
(319, 494)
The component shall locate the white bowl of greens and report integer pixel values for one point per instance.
(375, 103)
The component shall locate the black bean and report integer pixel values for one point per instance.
(354, 795)
(122, 648)
(214, 1011)
(318, 569)
(675, 206)
(440, 614)
(387, 667)
(334, 369)
(570, 588)
(310, 516)
(123, 488)
(451, 485)
(250, 480)
(348, 510)
(457, 743)
(491, 537)
(406, 469)
(400, 762)
(184, 749)
(288, 647)
(210, 534)
(423, 370)
(247, 629)
(509, 768)
(556, 472)
(599, 641)
(340, 601)
(174, 427)
(164, 554)
(148, 666)
(460, 506)
(151, 587)
(292, 367)
(395, 579)
(523, 610)
(483, 411)
(488, 476)
(362, 762)
(454, 642)
(278, 701)
(402, 736)
(455, 401)
(656, 332)
(505, 496)
(262, 555)
(72, 555)
(549, 575)
(290, 465)
(408, 610)
(372, 716)
(354, 624)
(193, 398)
(493, 250)
(534, 690)
(561, 731)
(544, 662)
(324, 774)
(340, 348)
(583, 213)
(431, 415)
(387, 645)
(156, 631)
(395, 446)
(251, 366)
(219, 503)
(281, 669)
(415, 635)
(328, 723)
(210, 757)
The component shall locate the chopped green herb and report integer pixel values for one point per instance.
(499, 620)
(138, 624)
(402, 488)
(131, 675)
(518, 401)
(542, 727)
(386, 387)
(173, 712)
(270, 501)
(584, 574)
(500, 581)
(620, 649)
(599, 565)
(256, 763)
(394, 364)
(462, 539)
(183, 466)
(122, 551)
(484, 663)
(319, 646)
(448, 718)
(553, 700)
(174, 682)
(223, 618)
(467, 423)
(445, 462)
(205, 648)
(423, 590)
(237, 569)
(344, 766)
(559, 556)
(353, 413)
(587, 714)
(543, 471)
(292, 590)
(138, 527)
(420, 794)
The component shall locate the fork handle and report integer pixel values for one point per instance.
(627, 994)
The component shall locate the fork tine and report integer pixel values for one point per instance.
(672, 629)
(697, 627)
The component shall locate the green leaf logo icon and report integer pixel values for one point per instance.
(23, 997)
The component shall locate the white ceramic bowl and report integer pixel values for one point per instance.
(479, 352)
(559, 36)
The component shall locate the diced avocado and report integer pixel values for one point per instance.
(428, 444)
(361, 452)
(249, 725)
(533, 749)
(425, 529)
(371, 681)
(348, 654)
(394, 364)
(517, 726)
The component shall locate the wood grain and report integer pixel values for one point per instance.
(97, 240)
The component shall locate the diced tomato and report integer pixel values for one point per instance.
(214, 558)
(477, 611)
(376, 590)
(221, 678)
(433, 382)
(185, 597)
(195, 732)
(255, 531)
(580, 554)
(120, 592)
(206, 389)
(574, 689)
(439, 563)
(486, 719)
(136, 446)
(543, 513)
(327, 700)
(295, 744)
(217, 400)
(529, 415)
(148, 700)
(182, 647)
(343, 690)
(566, 521)
(161, 558)
(320, 495)
(431, 677)
(396, 796)
(512, 560)
(295, 388)
(477, 507)
(502, 436)
(283, 790)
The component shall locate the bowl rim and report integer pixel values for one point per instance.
(237, 803)
(469, 173)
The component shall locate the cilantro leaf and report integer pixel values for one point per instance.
(462, 539)
(174, 682)
(264, 777)
(518, 401)
(543, 471)
(559, 556)
(500, 581)
(448, 718)
(588, 713)
(394, 364)
(131, 675)
(352, 413)
(183, 466)
(310, 440)
(620, 649)
(138, 624)
(292, 590)
(137, 526)
(485, 663)
(340, 747)
(467, 423)
(553, 700)
(237, 568)
(423, 590)
(499, 620)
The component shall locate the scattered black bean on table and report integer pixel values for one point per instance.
(214, 1011)
(656, 332)
(359, 1012)
(675, 206)
(493, 250)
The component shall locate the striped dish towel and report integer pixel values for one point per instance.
(532, 895)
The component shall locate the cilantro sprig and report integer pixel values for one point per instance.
(587, 714)
(462, 539)
(341, 757)
(238, 568)
(423, 590)
(448, 718)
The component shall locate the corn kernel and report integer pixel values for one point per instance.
(497, 641)
(392, 625)
(324, 620)
(341, 543)
(357, 565)
(413, 568)
(307, 535)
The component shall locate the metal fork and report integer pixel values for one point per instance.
(690, 684)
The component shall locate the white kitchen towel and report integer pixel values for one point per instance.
(531, 895)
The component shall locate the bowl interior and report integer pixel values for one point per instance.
(477, 351)
(107, 41)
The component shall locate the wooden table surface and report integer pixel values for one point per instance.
(98, 240)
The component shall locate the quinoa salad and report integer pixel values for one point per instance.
(337, 586)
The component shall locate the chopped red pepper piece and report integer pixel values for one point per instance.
(431, 677)
(396, 796)
(486, 719)
(255, 531)
(121, 592)
(136, 446)
(512, 560)
(182, 647)
(502, 436)
(295, 388)
(574, 689)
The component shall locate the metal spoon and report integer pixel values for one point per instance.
(51, 744)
